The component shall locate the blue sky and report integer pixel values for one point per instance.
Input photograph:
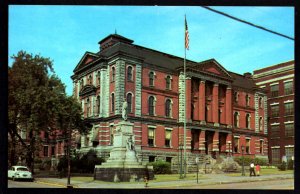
(65, 33)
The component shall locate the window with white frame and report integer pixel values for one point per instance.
(98, 78)
(98, 105)
(236, 144)
(129, 73)
(151, 136)
(168, 136)
(289, 152)
(248, 146)
(261, 146)
(236, 119)
(261, 124)
(260, 102)
(151, 105)
(275, 155)
(248, 120)
(274, 90)
(88, 107)
(236, 96)
(288, 87)
(112, 102)
(275, 130)
(81, 84)
(90, 80)
(168, 82)
(289, 129)
(168, 108)
(247, 100)
(289, 108)
(151, 78)
(275, 110)
(129, 102)
(111, 134)
(113, 74)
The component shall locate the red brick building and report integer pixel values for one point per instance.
(278, 81)
(224, 110)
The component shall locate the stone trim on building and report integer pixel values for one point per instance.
(119, 86)
(138, 90)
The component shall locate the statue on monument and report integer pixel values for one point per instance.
(124, 110)
(130, 143)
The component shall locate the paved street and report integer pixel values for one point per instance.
(23, 184)
(287, 184)
(211, 181)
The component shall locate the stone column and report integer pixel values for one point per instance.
(229, 145)
(215, 104)
(201, 103)
(228, 107)
(188, 99)
(216, 142)
(202, 141)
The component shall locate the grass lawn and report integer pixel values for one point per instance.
(266, 171)
(175, 177)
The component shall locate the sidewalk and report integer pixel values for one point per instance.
(207, 179)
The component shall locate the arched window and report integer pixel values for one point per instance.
(151, 78)
(98, 78)
(90, 80)
(236, 96)
(81, 84)
(112, 102)
(151, 105)
(248, 121)
(260, 123)
(260, 102)
(236, 119)
(98, 105)
(113, 73)
(168, 82)
(88, 107)
(129, 73)
(168, 108)
(247, 100)
(129, 103)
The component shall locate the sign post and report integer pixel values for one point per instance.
(197, 162)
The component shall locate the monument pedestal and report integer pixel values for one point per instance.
(123, 165)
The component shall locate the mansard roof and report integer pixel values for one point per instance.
(243, 81)
(124, 47)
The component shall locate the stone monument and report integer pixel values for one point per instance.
(122, 164)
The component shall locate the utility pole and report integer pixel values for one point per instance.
(68, 155)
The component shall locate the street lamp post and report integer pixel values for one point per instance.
(243, 169)
(180, 149)
(293, 166)
(229, 149)
(197, 162)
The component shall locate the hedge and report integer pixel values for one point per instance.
(161, 167)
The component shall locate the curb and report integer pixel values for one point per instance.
(53, 184)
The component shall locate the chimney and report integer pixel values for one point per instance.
(247, 75)
(112, 39)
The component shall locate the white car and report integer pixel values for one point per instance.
(19, 172)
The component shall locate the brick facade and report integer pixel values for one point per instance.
(281, 78)
(157, 103)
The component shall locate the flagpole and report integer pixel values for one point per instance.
(184, 121)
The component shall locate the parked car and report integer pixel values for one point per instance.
(19, 172)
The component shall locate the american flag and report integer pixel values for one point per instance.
(186, 35)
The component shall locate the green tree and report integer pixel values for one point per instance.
(37, 102)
